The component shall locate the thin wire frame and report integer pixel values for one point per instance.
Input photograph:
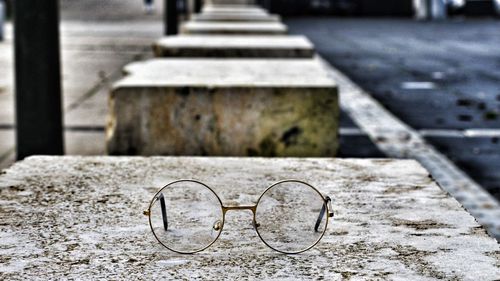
(224, 209)
(148, 213)
(329, 213)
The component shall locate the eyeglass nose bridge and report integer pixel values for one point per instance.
(239, 208)
(253, 208)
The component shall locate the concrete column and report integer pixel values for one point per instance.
(430, 9)
(420, 7)
(38, 78)
(2, 19)
(189, 8)
(197, 6)
(171, 17)
(438, 9)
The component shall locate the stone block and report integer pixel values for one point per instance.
(231, 9)
(226, 46)
(239, 17)
(230, 2)
(80, 218)
(232, 107)
(241, 28)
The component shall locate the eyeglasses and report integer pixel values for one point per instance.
(290, 216)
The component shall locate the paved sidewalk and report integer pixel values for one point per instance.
(124, 11)
(397, 140)
(420, 83)
(92, 57)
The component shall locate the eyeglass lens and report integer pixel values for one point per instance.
(186, 216)
(290, 217)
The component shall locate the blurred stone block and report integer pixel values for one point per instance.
(241, 28)
(231, 107)
(238, 17)
(232, 9)
(230, 2)
(234, 46)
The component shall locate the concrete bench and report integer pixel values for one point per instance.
(230, 2)
(231, 107)
(241, 17)
(81, 218)
(226, 46)
(239, 28)
(237, 13)
(233, 9)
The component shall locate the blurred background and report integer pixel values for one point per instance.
(435, 64)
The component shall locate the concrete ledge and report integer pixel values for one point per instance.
(234, 46)
(239, 28)
(279, 107)
(241, 17)
(81, 218)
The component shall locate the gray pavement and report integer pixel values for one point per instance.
(397, 140)
(442, 78)
(108, 10)
(95, 45)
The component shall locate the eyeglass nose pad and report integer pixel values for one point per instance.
(217, 225)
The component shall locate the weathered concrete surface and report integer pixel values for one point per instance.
(234, 46)
(232, 107)
(250, 17)
(251, 28)
(81, 218)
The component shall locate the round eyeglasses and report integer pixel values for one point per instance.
(187, 216)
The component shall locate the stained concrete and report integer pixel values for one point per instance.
(232, 107)
(238, 28)
(234, 46)
(81, 218)
(245, 17)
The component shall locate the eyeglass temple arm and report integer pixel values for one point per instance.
(163, 211)
(327, 206)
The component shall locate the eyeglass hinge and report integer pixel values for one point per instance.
(330, 209)
(146, 213)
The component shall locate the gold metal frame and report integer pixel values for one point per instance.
(224, 209)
